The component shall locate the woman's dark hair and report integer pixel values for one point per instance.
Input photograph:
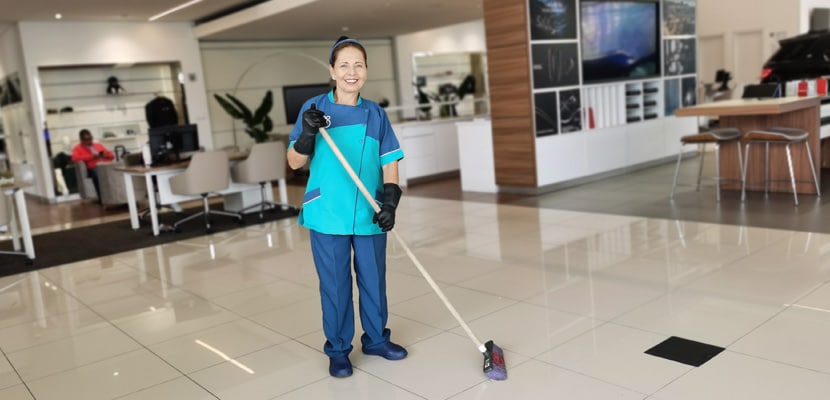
(84, 132)
(342, 43)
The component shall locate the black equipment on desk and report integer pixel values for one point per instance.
(173, 143)
(762, 91)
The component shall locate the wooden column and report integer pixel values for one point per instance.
(510, 86)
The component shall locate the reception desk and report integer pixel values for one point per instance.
(753, 114)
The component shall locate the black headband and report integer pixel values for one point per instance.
(340, 42)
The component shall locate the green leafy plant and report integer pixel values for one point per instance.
(257, 124)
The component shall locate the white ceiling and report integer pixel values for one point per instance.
(319, 19)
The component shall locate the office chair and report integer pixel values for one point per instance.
(264, 164)
(208, 172)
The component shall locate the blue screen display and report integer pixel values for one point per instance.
(619, 40)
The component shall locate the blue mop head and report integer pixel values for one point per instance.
(494, 365)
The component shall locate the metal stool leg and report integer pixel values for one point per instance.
(766, 168)
(676, 171)
(740, 161)
(743, 171)
(700, 168)
(792, 176)
(717, 172)
(812, 168)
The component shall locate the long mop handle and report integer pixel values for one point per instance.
(414, 259)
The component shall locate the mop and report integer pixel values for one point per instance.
(494, 365)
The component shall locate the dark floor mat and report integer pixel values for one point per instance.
(685, 351)
(100, 240)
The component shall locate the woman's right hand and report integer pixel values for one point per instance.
(313, 120)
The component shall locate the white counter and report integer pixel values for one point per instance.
(430, 147)
(478, 172)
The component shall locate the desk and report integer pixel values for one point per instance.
(753, 114)
(166, 196)
(15, 192)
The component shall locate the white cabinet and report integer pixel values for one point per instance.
(430, 148)
(478, 173)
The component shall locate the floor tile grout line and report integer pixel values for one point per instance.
(19, 377)
(147, 349)
(772, 317)
(586, 375)
(801, 367)
(139, 343)
(593, 328)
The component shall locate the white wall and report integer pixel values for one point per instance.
(724, 25)
(248, 69)
(466, 37)
(21, 137)
(806, 6)
(84, 43)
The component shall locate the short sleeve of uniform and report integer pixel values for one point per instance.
(390, 148)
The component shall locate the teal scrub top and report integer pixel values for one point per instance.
(332, 203)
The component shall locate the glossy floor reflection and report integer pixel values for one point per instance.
(574, 298)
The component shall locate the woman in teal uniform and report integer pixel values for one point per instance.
(342, 224)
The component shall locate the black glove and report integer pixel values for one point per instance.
(385, 218)
(313, 120)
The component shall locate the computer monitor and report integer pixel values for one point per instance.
(172, 143)
(294, 97)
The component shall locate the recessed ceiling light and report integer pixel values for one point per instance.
(345, 29)
(58, 16)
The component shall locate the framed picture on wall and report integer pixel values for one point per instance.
(679, 17)
(672, 96)
(552, 19)
(679, 57)
(555, 65)
(689, 88)
(570, 110)
(546, 112)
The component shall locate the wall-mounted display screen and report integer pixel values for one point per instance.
(293, 98)
(620, 40)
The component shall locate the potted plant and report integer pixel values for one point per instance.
(258, 124)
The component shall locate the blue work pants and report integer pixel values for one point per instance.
(333, 260)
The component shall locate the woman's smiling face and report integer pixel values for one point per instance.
(349, 70)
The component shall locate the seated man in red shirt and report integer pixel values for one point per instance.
(91, 153)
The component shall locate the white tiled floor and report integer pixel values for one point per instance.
(574, 299)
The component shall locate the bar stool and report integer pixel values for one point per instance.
(779, 136)
(716, 137)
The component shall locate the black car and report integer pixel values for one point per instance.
(805, 56)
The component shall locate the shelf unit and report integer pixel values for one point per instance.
(621, 103)
(643, 100)
(75, 98)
